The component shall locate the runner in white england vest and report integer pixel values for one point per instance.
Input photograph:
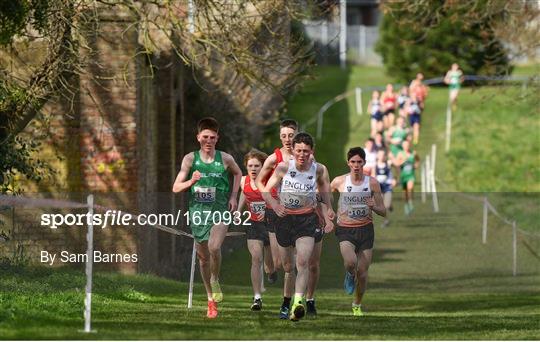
(297, 220)
(360, 195)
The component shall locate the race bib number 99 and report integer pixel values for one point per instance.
(358, 211)
(292, 201)
(205, 194)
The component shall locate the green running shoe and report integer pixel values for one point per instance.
(298, 309)
(357, 311)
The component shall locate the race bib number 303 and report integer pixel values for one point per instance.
(205, 194)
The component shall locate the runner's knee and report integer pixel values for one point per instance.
(256, 260)
(314, 267)
(349, 264)
(214, 249)
(288, 267)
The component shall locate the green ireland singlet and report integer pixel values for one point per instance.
(455, 77)
(402, 135)
(407, 169)
(209, 194)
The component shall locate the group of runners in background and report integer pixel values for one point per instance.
(288, 196)
(395, 131)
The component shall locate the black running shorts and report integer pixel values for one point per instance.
(361, 237)
(270, 217)
(291, 227)
(257, 231)
(319, 233)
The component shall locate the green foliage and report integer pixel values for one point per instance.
(15, 15)
(409, 45)
(16, 157)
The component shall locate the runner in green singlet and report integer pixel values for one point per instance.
(407, 160)
(206, 174)
(397, 134)
(454, 78)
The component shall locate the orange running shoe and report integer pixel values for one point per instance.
(212, 309)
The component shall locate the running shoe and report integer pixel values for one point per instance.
(284, 312)
(272, 277)
(357, 311)
(407, 210)
(310, 306)
(212, 309)
(257, 304)
(217, 295)
(348, 284)
(298, 310)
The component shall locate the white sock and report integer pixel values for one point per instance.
(210, 299)
(356, 305)
(257, 296)
(310, 299)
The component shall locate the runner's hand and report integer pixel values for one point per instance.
(370, 202)
(329, 227)
(195, 177)
(260, 217)
(279, 209)
(233, 204)
(330, 214)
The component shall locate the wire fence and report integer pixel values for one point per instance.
(428, 177)
(12, 202)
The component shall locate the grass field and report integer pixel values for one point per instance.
(432, 278)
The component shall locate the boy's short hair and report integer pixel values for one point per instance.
(356, 151)
(290, 123)
(254, 153)
(303, 138)
(208, 123)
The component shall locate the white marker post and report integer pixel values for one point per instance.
(433, 158)
(448, 127)
(359, 109)
(428, 174)
(423, 179)
(192, 275)
(514, 249)
(89, 260)
(434, 192)
(343, 34)
(485, 221)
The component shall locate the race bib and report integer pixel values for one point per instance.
(257, 208)
(294, 200)
(358, 211)
(381, 178)
(407, 168)
(205, 194)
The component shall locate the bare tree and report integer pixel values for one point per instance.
(251, 38)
